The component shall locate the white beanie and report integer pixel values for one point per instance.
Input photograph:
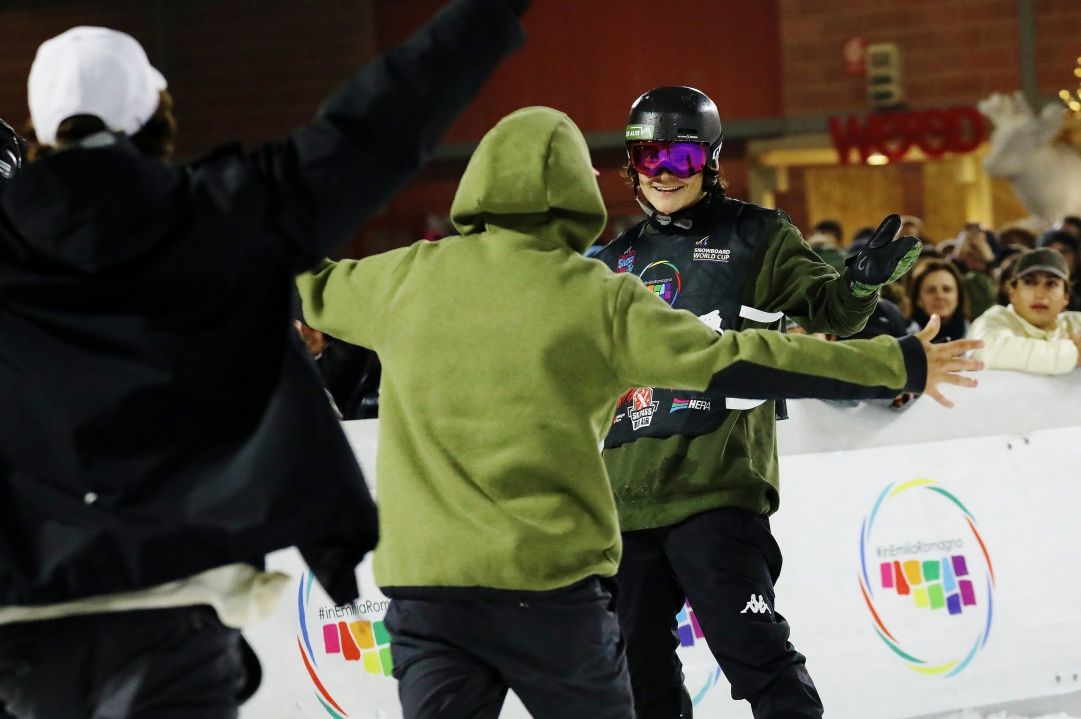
(92, 71)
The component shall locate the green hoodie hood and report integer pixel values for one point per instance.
(531, 173)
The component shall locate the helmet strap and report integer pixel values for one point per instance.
(684, 223)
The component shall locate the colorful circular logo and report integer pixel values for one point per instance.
(926, 577)
(663, 279)
(346, 637)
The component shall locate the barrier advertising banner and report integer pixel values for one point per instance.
(928, 567)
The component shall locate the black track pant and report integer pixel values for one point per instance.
(561, 654)
(725, 562)
(180, 663)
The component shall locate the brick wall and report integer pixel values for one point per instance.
(246, 70)
(953, 51)
(1058, 44)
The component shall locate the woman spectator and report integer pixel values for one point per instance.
(938, 290)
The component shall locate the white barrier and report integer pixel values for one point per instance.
(928, 566)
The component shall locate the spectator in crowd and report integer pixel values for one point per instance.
(1067, 244)
(436, 227)
(350, 373)
(1035, 333)
(1017, 235)
(973, 254)
(161, 429)
(1072, 225)
(938, 290)
(826, 240)
(887, 320)
(1001, 271)
(913, 226)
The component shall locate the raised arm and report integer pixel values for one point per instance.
(797, 282)
(370, 136)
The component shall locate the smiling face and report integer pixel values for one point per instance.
(1039, 297)
(668, 193)
(938, 294)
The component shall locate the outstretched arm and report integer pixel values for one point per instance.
(656, 346)
(345, 299)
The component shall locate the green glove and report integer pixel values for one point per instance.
(883, 259)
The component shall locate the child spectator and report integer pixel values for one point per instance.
(973, 254)
(1034, 333)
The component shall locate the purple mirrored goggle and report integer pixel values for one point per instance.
(682, 159)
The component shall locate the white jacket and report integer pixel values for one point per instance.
(1011, 342)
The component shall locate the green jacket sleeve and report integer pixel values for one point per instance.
(655, 346)
(343, 299)
(795, 280)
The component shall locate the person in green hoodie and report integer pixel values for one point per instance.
(504, 351)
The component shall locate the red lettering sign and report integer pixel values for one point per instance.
(935, 131)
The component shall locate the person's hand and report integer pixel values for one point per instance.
(975, 251)
(1076, 338)
(11, 151)
(883, 259)
(945, 360)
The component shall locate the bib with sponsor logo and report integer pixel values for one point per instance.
(703, 270)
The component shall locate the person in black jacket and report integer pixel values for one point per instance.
(161, 428)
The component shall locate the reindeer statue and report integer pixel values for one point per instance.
(1029, 151)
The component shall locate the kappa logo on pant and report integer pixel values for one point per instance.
(756, 605)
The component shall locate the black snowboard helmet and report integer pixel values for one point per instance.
(676, 114)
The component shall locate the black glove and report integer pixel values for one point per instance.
(11, 151)
(883, 259)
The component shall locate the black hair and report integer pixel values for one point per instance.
(830, 227)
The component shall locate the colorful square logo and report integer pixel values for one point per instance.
(360, 641)
(932, 584)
